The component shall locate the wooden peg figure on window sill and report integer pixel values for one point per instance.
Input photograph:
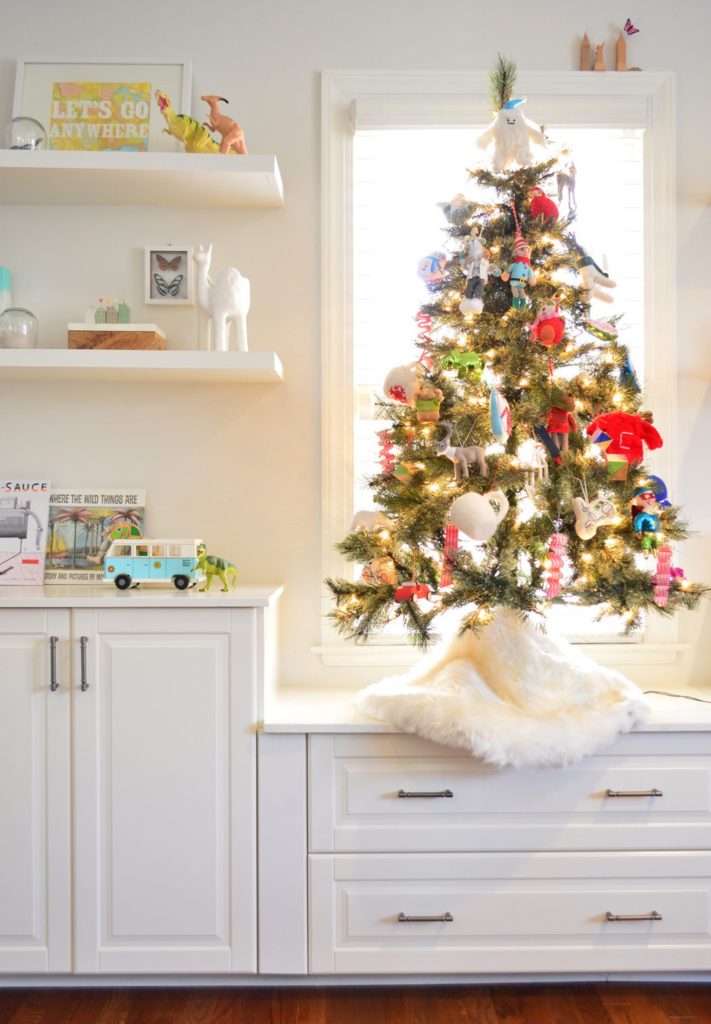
(221, 304)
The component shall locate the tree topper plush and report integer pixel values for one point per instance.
(512, 133)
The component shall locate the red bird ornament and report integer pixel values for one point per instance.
(541, 204)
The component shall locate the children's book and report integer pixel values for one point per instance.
(24, 506)
(82, 525)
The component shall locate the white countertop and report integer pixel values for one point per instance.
(333, 710)
(105, 595)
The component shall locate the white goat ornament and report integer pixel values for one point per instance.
(511, 132)
(220, 303)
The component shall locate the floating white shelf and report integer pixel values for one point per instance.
(50, 177)
(176, 366)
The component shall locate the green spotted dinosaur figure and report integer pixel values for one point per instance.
(213, 566)
(194, 136)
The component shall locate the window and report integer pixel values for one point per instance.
(395, 142)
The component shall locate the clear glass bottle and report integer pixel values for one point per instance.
(18, 328)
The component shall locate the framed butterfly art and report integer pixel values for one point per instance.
(169, 275)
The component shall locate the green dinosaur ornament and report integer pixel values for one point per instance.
(213, 566)
(193, 135)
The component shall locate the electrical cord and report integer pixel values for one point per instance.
(9, 559)
(684, 696)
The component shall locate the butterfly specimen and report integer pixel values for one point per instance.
(164, 287)
(630, 29)
(164, 264)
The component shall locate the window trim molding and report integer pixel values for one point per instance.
(639, 99)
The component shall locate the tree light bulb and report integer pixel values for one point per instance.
(491, 353)
(587, 557)
(384, 534)
(434, 487)
(618, 398)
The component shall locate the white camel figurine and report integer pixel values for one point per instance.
(221, 302)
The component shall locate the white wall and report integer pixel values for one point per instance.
(241, 468)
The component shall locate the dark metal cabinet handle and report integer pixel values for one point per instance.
(440, 793)
(651, 916)
(409, 918)
(53, 684)
(83, 641)
(633, 792)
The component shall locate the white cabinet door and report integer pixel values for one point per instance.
(35, 875)
(162, 810)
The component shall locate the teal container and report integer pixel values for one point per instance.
(5, 289)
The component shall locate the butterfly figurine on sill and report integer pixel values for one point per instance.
(629, 28)
(166, 264)
(168, 288)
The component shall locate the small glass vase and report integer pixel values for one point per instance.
(25, 133)
(18, 328)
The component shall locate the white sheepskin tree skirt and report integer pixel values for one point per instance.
(510, 694)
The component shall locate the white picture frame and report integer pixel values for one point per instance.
(98, 105)
(169, 275)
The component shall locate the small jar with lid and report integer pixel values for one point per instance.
(18, 328)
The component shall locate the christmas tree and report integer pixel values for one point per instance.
(512, 468)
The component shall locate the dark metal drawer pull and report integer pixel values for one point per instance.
(634, 792)
(651, 916)
(83, 641)
(53, 684)
(404, 795)
(407, 918)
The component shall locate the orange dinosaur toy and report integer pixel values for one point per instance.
(232, 136)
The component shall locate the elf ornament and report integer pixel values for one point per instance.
(549, 326)
(560, 418)
(623, 436)
(542, 206)
(512, 134)
(519, 272)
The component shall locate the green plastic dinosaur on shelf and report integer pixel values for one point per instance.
(213, 566)
(193, 135)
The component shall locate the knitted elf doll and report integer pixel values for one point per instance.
(519, 272)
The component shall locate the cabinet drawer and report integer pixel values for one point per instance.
(509, 912)
(401, 802)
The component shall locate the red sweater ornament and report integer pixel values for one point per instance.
(541, 204)
(629, 434)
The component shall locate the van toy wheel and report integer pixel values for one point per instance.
(181, 582)
(123, 582)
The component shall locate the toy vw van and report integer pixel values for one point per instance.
(133, 560)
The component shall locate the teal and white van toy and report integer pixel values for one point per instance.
(133, 560)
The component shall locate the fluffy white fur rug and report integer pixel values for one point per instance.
(510, 694)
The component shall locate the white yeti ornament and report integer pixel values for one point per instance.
(512, 133)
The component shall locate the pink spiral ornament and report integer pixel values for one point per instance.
(385, 446)
(662, 577)
(557, 546)
(424, 339)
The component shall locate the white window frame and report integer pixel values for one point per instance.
(460, 99)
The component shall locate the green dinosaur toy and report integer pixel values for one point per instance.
(194, 136)
(213, 566)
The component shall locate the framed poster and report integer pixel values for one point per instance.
(169, 275)
(102, 105)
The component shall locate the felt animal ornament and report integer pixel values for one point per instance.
(499, 416)
(213, 567)
(427, 403)
(543, 206)
(479, 515)
(560, 418)
(403, 383)
(565, 179)
(458, 211)
(548, 328)
(591, 514)
(595, 279)
(476, 266)
(432, 268)
(512, 134)
(627, 436)
(462, 457)
(519, 272)
(371, 521)
(380, 570)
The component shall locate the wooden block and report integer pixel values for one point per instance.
(115, 336)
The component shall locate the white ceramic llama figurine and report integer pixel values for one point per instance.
(221, 302)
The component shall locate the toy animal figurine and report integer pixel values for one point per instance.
(193, 135)
(231, 134)
(213, 566)
(566, 180)
(594, 279)
(511, 132)
(462, 458)
(220, 303)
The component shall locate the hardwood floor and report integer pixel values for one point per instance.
(506, 1004)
